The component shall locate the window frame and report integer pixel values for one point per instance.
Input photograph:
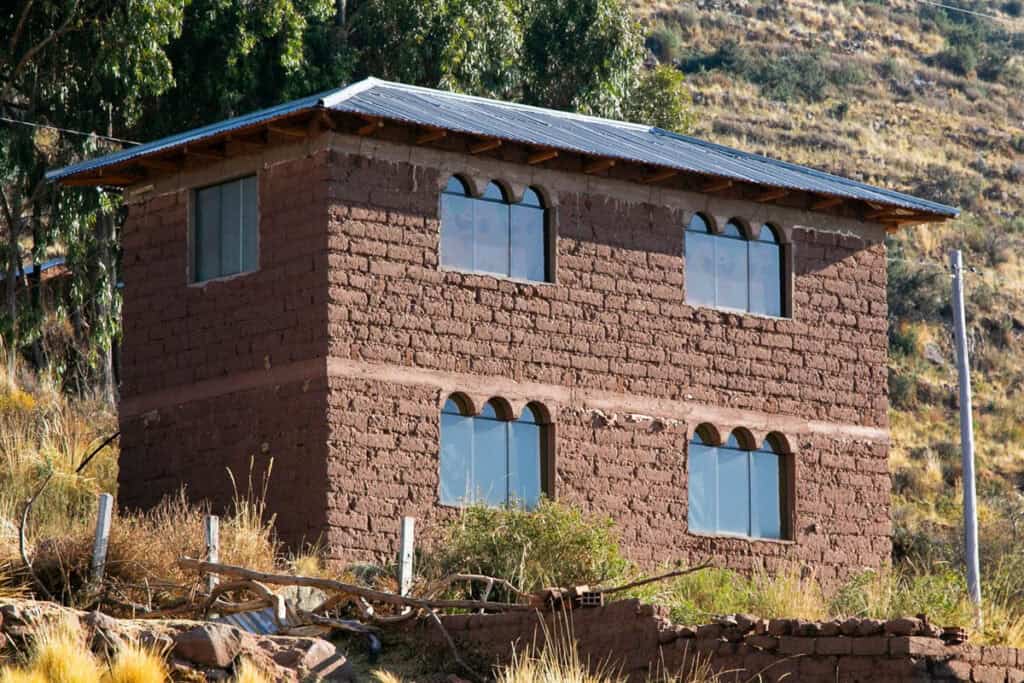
(771, 443)
(502, 413)
(784, 255)
(192, 245)
(548, 241)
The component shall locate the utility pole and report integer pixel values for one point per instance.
(966, 436)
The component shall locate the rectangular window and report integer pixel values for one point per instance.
(765, 278)
(225, 226)
(734, 491)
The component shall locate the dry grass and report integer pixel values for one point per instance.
(247, 672)
(136, 663)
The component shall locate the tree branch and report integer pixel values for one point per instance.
(56, 33)
(21, 25)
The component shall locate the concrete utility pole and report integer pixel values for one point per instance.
(966, 435)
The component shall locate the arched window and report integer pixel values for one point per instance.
(734, 488)
(489, 234)
(728, 271)
(489, 458)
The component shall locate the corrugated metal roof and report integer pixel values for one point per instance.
(544, 128)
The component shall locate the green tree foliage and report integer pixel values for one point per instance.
(662, 100)
(82, 64)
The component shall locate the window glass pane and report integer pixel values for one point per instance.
(456, 458)
(524, 463)
(767, 234)
(733, 491)
(531, 198)
(528, 244)
(766, 507)
(529, 415)
(765, 278)
(733, 229)
(451, 407)
(731, 273)
(491, 230)
(698, 223)
(490, 461)
(493, 191)
(231, 228)
(489, 411)
(455, 186)
(700, 268)
(207, 237)
(702, 509)
(456, 232)
(250, 224)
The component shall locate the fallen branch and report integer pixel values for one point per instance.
(652, 579)
(369, 594)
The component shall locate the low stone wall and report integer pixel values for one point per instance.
(640, 642)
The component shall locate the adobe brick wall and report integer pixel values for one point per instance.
(335, 357)
(639, 642)
(626, 367)
(217, 375)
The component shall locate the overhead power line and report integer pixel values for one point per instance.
(69, 131)
(964, 10)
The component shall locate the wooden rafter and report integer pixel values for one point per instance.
(432, 135)
(716, 185)
(658, 176)
(159, 164)
(485, 146)
(287, 131)
(204, 153)
(826, 203)
(541, 155)
(599, 166)
(771, 195)
(371, 126)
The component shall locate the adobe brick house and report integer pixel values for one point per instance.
(410, 299)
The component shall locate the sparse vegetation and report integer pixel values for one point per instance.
(556, 545)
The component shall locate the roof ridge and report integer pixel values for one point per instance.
(504, 103)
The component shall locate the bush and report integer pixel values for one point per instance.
(662, 100)
(554, 545)
(665, 42)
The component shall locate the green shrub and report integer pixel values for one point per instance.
(902, 391)
(666, 42)
(553, 545)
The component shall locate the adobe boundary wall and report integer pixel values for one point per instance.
(639, 641)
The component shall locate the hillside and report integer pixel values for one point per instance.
(916, 97)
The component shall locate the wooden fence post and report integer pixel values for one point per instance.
(407, 542)
(102, 538)
(212, 528)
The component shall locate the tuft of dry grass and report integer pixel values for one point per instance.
(136, 663)
(59, 653)
(248, 672)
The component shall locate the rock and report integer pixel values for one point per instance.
(933, 354)
(830, 628)
(870, 627)
(211, 645)
(906, 626)
(808, 629)
(779, 627)
(850, 627)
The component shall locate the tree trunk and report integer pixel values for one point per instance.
(104, 308)
(13, 266)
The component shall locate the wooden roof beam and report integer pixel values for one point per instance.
(541, 155)
(826, 203)
(288, 131)
(208, 153)
(485, 146)
(159, 164)
(598, 166)
(658, 176)
(771, 195)
(716, 185)
(432, 135)
(371, 126)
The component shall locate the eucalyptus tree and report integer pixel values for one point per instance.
(67, 64)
